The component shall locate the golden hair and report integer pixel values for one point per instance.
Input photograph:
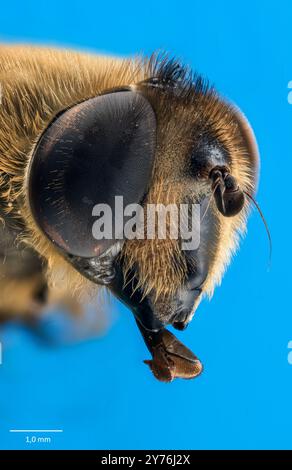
(37, 83)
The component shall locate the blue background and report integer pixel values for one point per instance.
(98, 391)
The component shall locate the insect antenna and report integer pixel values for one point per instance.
(209, 202)
(264, 221)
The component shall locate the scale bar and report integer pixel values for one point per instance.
(36, 430)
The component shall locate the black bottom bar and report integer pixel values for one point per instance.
(134, 459)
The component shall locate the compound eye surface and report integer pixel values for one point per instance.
(96, 150)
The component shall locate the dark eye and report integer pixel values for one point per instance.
(96, 150)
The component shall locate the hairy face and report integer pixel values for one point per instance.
(196, 132)
(167, 139)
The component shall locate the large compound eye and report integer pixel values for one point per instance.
(96, 150)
